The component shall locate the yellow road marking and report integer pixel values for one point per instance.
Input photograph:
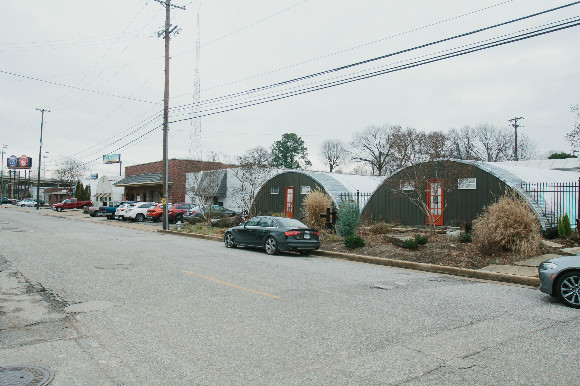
(230, 284)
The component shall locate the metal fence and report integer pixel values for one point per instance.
(360, 198)
(555, 199)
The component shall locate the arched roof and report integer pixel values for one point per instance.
(336, 184)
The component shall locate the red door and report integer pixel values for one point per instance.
(435, 201)
(289, 202)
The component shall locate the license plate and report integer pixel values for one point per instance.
(306, 236)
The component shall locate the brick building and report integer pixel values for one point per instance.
(145, 182)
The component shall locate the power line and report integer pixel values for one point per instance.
(344, 79)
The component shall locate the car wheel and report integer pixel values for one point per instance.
(140, 217)
(568, 287)
(93, 214)
(22, 205)
(229, 240)
(59, 209)
(272, 246)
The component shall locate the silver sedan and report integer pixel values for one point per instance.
(560, 277)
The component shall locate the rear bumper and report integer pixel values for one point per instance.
(299, 245)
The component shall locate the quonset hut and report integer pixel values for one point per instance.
(284, 193)
(551, 193)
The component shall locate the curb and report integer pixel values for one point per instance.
(463, 272)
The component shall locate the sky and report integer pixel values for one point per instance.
(264, 69)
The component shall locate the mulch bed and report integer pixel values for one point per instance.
(440, 250)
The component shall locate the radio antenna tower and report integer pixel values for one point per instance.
(195, 145)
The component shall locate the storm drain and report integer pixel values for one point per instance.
(25, 376)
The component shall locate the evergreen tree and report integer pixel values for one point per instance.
(289, 151)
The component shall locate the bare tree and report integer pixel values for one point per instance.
(374, 146)
(436, 145)
(574, 136)
(463, 145)
(333, 152)
(70, 170)
(488, 143)
(431, 178)
(203, 187)
(253, 172)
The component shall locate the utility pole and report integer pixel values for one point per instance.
(2, 186)
(42, 111)
(515, 126)
(166, 35)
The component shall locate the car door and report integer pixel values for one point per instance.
(263, 230)
(246, 235)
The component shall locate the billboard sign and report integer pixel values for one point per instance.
(112, 158)
(22, 162)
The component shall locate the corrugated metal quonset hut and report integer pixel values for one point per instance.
(551, 193)
(285, 192)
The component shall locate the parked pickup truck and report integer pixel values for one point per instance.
(71, 203)
(95, 211)
(111, 208)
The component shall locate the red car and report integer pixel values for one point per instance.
(155, 213)
(176, 212)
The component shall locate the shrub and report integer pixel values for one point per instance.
(508, 225)
(421, 239)
(354, 241)
(465, 237)
(411, 244)
(348, 219)
(315, 203)
(564, 228)
(380, 228)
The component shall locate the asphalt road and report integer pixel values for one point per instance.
(106, 305)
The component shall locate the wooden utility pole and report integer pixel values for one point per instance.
(515, 126)
(42, 111)
(166, 35)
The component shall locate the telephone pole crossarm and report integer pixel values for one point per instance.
(515, 126)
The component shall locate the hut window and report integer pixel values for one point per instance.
(467, 183)
(405, 185)
(304, 189)
(274, 190)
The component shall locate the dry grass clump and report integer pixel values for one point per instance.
(508, 225)
(315, 203)
(380, 228)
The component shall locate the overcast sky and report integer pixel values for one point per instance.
(98, 67)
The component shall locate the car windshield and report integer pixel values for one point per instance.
(290, 223)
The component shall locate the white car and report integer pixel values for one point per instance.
(120, 212)
(137, 211)
(26, 202)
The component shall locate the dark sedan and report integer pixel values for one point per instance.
(560, 277)
(274, 234)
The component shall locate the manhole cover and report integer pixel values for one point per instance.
(25, 376)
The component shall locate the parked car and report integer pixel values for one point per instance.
(216, 211)
(109, 210)
(137, 211)
(6, 200)
(177, 211)
(71, 203)
(273, 234)
(155, 213)
(120, 211)
(560, 277)
(26, 202)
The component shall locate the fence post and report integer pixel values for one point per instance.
(578, 207)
